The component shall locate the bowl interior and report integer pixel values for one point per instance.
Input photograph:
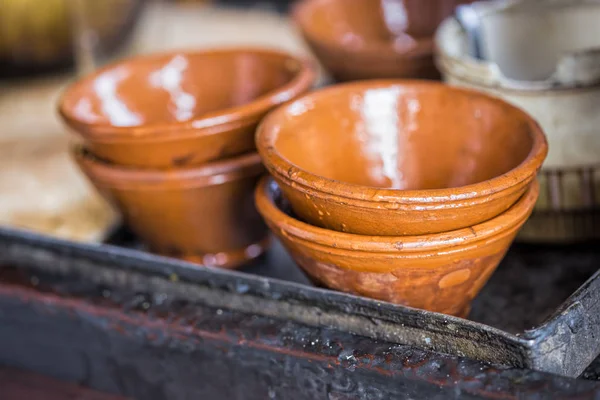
(357, 23)
(178, 87)
(412, 136)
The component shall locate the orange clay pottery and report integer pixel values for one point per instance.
(201, 214)
(440, 272)
(367, 39)
(182, 108)
(400, 157)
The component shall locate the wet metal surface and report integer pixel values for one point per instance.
(164, 348)
(564, 344)
(528, 286)
(20, 385)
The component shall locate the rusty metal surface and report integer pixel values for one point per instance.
(565, 344)
(22, 385)
(156, 347)
(531, 284)
(593, 371)
(539, 276)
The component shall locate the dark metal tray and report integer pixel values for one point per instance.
(23, 385)
(129, 323)
(529, 290)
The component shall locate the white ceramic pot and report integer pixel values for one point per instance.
(562, 93)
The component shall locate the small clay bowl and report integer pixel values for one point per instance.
(202, 214)
(441, 272)
(368, 39)
(400, 157)
(181, 108)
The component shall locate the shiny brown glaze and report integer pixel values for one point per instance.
(181, 108)
(399, 157)
(441, 272)
(203, 214)
(366, 39)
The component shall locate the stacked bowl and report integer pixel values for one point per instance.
(373, 39)
(169, 140)
(408, 192)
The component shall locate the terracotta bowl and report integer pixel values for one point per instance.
(366, 39)
(441, 272)
(181, 108)
(400, 157)
(202, 214)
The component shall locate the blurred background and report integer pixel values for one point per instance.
(45, 44)
(37, 37)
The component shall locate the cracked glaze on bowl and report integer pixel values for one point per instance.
(440, 272)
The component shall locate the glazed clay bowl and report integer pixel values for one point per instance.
(440, 272)
(201, 214)
(181, 108)
(368, 39)
(400, 157)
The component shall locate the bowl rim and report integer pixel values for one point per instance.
(277, 164)
(131, 178)
(444, 242)
(212, 122)
(424, 47)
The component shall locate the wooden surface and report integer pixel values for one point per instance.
(40, 188)
(20, 385)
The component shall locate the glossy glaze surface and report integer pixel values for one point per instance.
(400, 158)
(203, 214)
(362, 39)
(441, 272)
(181, 108)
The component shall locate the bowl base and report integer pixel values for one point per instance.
(227, 259)
(464, 313)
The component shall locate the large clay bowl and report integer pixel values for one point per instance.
(202, 214)
(181, 108)
(400, 157)
(367, 39)
(441, 272)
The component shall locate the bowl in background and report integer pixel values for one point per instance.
(441, 272)
(369, 39)
(181, 108)
(400, 157)
(203, 214)
(37, 36)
